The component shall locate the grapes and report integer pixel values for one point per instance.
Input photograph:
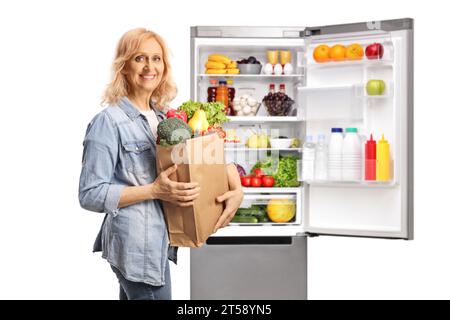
(278, 104)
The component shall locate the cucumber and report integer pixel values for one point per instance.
(263, 219)
(244, 219)
(250, 212)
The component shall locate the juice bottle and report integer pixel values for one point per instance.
(231, 93)
(212, 91)
(222, 94)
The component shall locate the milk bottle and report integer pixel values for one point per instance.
(335, 155)
(351, 155)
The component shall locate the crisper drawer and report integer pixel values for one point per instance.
(249, 268)
(269, 209)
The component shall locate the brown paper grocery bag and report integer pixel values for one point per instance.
(199, 160)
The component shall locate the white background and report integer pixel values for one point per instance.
(55, 59)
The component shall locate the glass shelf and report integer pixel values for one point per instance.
(352, 184)
(257, 119)
(261, 149)
(271, 190)
(357, 63)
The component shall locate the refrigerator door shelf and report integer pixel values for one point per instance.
(363, 208)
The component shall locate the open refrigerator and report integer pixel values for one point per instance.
(265, 259)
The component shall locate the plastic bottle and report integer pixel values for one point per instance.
(321, 160)
(222, 94)
(351, 155)
(335, 155)
(309, 154)
(212, 90)
(383, 160)
(231, 94)
(371, 160)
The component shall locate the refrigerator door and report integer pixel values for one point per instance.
(250, 268)
(335, 95)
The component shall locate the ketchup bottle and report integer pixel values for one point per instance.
(371, 159)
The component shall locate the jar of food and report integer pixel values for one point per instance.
(231, 93)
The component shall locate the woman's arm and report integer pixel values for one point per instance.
(232, 198)
(180, 193)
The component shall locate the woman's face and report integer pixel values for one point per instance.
(145, 69)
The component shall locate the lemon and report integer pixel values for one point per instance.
(281, 210)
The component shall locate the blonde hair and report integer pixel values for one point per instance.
(126, 48)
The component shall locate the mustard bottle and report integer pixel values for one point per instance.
(383, 160)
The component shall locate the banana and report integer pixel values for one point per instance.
(215, 65)
(219, 58)
(232, 65)
(216, 71)
(233, 71)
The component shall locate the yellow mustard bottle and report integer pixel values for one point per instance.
(383, 160)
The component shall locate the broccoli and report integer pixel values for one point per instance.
(172, 131)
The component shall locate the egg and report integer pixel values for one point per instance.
(288, 68)
(252, 101)
(237, 107)
(278, 69)
(247, 110)
(268, 68)
(240, 113)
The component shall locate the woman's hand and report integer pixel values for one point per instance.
(181, 193)
(231, 198)
(232, 201)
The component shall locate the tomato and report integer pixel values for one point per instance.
(268, 181)
(258, 172)
(256, 182)
(246, 181)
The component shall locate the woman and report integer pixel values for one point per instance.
(118, 175)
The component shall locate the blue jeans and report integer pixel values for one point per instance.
(130, 290)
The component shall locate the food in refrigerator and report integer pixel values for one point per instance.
(383, 160)
(335, 154)
(375, 51)
(212, 90)
(375, 87)
(281, 210)
(231, 94)
(371, 160)
(351, 155)
(279, 103)
(337, 52)
(245, 104)
(222, 95)
(354, 52)
(220, 64)
(249, 65)
(321, 53)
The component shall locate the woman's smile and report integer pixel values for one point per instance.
(148, 76)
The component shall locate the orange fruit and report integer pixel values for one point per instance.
(337, 52)
(354, 52)
(321, 53)
(280, 210)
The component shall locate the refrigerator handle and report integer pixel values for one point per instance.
(249, 241)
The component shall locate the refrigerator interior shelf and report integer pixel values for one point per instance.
(271, 76)
(353, 184)
(253, 120)
(270, 190)
(264, 224)
(262, 149)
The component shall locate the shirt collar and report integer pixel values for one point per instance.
(132, 112)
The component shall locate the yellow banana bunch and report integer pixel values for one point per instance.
(220, 64)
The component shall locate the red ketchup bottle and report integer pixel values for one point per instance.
(371, 159)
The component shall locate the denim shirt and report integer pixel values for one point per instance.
(120, 151)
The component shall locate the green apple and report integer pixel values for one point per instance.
(375, 87)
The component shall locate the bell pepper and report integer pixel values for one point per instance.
(175, 113)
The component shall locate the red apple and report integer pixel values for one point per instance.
(374, 51)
